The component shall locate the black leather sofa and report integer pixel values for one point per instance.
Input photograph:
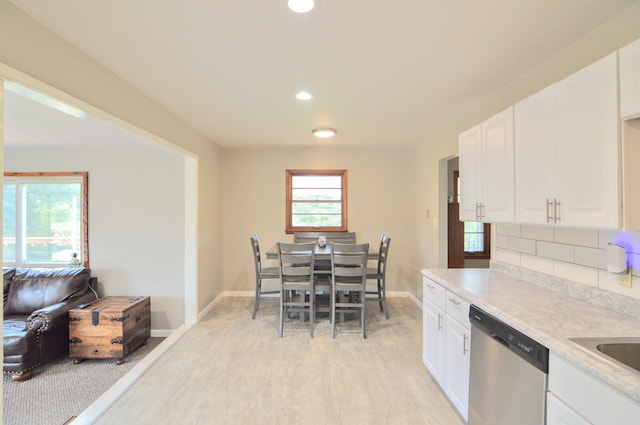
(36, 315)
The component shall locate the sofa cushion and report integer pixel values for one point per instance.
(32, 289)
(14, 324)
(20, 346)
(8, 273)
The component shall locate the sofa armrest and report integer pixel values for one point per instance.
(55, 315)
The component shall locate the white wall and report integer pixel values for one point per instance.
(603, 40)
(35, 51)
(380, 199)
(36, 55)
(136, 220)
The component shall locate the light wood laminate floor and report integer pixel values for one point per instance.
(229, 369)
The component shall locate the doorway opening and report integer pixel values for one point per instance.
(468, 243)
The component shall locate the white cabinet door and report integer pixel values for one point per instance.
(486, 170)
(567, 151)
(587, 156)
(535, 142)
(470, 157)
(457, 365)
(630, 80)
(559, 413)
(433, 340)
(498, 168)
(588, 396)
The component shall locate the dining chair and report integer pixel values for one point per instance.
(323, 265)
(261, 273)
(296, 263)
(379, 274)
(348, 281)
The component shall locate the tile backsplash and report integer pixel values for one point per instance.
(578, 255)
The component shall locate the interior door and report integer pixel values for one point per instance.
(456, 237)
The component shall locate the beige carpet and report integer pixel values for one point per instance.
(61, 390)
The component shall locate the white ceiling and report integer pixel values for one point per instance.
(383, 73)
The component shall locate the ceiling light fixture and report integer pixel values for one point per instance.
(324, 132)
(303, 95)
(301, 6)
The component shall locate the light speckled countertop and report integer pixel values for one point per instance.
(548, 316)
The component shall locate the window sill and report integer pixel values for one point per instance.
(477, 256)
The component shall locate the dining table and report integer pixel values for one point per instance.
(321, 253)
(322, 270)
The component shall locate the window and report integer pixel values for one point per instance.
(45, 219)
(477, 242)
(316, 200)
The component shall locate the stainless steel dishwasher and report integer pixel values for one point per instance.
(508, 374)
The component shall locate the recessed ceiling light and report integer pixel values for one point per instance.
(301, 6)
(303, 95)
(324, 132)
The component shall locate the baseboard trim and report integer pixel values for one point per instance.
(416, 300)
(251, 294)
(212, 304)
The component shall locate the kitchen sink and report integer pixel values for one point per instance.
(625, 351)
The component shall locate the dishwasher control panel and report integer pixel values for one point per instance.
(524, 346)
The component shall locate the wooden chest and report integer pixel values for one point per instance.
(110, 327)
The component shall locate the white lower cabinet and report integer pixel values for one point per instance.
(577, 397)
(445, 344)
(456, 380)
(433, 340)
(559, 413)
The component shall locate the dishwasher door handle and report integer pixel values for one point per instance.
(500, 340)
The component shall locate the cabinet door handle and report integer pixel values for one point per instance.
(430, 286)
(482, 211)
(465, 345)
(439, 321)
(453, 300)
(549, 212)
(479, 211)
(556, 210)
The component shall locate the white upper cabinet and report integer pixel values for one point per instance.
(498, 187)
(567, 151)
(630, 80)
(487, 170)
(470, 164)
(535, 156)
(588, 146)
